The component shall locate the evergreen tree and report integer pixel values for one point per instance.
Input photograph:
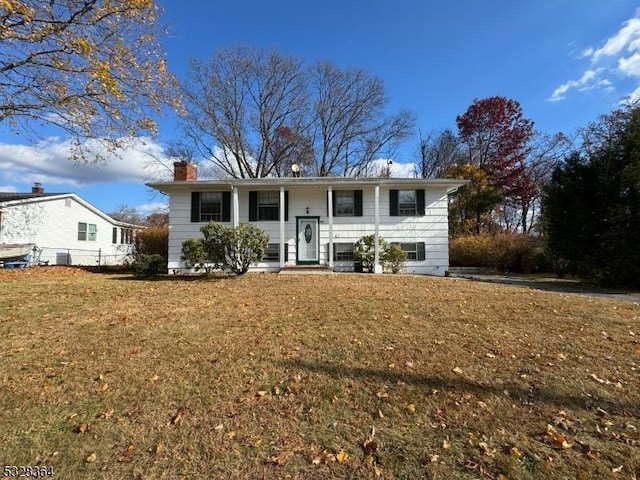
(592, 205)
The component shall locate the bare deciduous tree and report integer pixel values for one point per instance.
(93, 68)
(238, 102)
(350, 127)
(255, 112)
(437, 152)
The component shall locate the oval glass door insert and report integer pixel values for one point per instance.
(307, 233)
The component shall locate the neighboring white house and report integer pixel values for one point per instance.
(66, 229)
(316, 221)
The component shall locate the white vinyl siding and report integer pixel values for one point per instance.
(52, 223)
(431, 228)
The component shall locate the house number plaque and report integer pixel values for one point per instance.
(307, 233)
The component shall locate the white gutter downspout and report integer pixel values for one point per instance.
(377, 268)
(330, 212)
(281, 253)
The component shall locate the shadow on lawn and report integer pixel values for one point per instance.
(525, 395)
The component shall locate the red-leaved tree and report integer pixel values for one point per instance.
(496, 137)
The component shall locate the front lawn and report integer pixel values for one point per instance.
(314, 376)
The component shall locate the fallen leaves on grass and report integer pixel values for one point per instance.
(91, 458)
(557, 439)
(127, 454)
(176, 418)
(281, 458)
(342, 456)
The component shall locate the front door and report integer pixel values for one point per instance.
(308, 251)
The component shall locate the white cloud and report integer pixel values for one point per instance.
(8, 188)
(590, 80)
(49, 161)
(624, 39)
(154, 207)
(618, 57)
(397, 170)
(631, 65)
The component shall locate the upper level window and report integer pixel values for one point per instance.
(265, 205)
(406, 202)
(268, 205)
(210, 206)
(344, 203)
(347, 203)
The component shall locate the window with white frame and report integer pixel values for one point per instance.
(210, 206)
(344, 203)
(407, 202)
(414, 250)
(268, 205)
(87, 231)
(272, 253)
(343, 252)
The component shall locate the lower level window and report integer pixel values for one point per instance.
(414, 250)
(272, 254)
(343, 252)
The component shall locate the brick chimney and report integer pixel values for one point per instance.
(37, 188)
(184, 172)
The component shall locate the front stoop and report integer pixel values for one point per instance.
(306, 269)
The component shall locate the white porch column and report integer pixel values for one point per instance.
(236, 208)
(281, 253)
(377, 268)
(330, 204)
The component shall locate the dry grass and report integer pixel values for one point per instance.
(341, 376)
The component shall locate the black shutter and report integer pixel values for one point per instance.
(286, 252)
(114, 235)
(226, 206)
(195, 206)
(420, 251)
(286, 205)
(253, 206)
(393, 203)
(420, 202)
(357, 203)
(334, 252)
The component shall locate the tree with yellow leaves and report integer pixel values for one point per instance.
(94, 68)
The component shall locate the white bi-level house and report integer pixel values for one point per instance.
(316, 220)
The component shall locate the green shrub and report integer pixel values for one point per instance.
(149, 265)
(230, 249)
(507, 253)
(364, 252)
(395, 258)
(194, 256)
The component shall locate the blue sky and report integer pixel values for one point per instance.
(566, 62)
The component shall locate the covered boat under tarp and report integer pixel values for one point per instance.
(11, 252)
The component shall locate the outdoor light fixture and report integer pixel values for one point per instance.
(307, 210)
